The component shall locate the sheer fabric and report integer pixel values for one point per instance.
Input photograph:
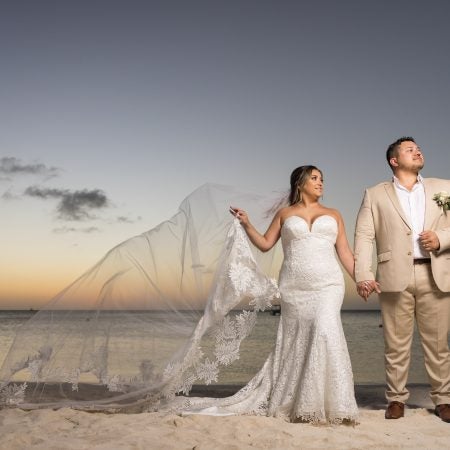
(134, 330)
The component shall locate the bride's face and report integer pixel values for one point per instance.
(314, 185)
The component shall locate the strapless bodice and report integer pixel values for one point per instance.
(309, 254)
(296, 227)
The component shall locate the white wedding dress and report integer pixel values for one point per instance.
(131, 334)
(308, 375)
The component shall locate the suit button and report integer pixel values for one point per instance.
(408, 233)
(409, 253)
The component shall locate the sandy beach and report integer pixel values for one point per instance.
(70, 429)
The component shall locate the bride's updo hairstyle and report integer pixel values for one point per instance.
(299, 177)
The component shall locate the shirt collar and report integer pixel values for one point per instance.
(418, 184)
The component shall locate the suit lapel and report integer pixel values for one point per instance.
(390, 190)
(430, 207)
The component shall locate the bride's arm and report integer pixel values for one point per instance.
(343, 249)
(263, 242)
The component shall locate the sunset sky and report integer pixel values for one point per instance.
(112, 112)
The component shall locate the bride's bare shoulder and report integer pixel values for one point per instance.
(285, 212)
(333, 212)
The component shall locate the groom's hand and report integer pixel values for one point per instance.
(429, 240)
(366, 287)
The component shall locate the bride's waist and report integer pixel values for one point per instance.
(312, 266)
(310, 277)
(321, 246)
(299, 255)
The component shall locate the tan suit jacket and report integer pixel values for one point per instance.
(381, 219)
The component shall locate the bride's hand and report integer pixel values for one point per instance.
(240, 214)
(365, 288)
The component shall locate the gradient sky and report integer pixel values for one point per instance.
(111, 112)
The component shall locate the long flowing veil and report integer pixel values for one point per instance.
(160, 312)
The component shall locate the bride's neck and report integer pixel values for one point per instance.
(309, 202)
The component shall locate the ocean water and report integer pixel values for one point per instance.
(362, 330)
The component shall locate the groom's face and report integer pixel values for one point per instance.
(409, 157)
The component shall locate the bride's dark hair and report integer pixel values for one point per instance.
(299, 177)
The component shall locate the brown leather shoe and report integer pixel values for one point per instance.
(443, 411)
(395, 410)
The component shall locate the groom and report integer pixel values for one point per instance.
(412, 236)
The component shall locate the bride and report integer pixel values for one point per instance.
(76, 352)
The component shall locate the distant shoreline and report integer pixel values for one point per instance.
(32, 310)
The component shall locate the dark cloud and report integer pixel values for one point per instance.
(13, 166)
(123, 219)
(72, 205)
(63, 230)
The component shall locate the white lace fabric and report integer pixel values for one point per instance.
(308, 375)
(81, 357)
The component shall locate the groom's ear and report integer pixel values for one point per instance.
(393, 162)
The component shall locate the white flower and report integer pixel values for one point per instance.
(208, 371)
(241, 277)
(442, 199)
(13, 394)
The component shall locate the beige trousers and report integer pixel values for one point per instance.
(422, 300)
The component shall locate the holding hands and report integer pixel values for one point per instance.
(428, 240)
(365, 288)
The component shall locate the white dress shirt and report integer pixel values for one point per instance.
(413, 204)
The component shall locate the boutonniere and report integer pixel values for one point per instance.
(443, 200)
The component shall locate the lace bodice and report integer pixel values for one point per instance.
(309, 255)
(296, 227)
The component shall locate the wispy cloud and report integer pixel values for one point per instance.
(11, 166)
(72, 205)
(124, 219)
(9, 195)
(63, 230)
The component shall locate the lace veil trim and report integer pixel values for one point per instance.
(62, 343)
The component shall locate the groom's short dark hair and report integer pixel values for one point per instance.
(391, 152)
